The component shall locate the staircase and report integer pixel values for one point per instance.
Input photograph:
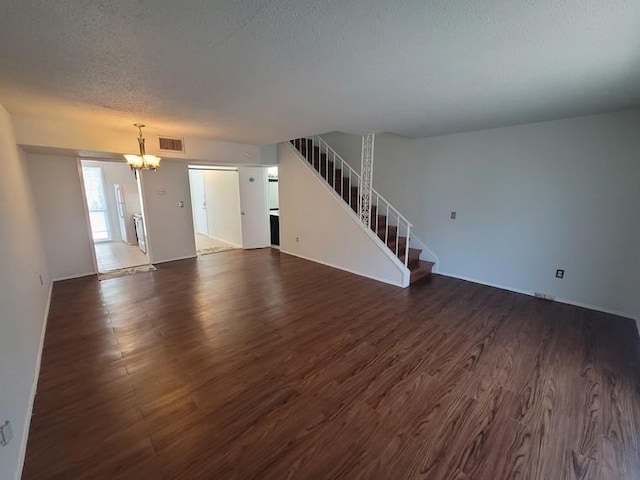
(390, 226)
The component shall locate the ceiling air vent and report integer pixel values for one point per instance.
(171, 144)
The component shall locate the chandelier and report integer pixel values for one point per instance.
(142, 161)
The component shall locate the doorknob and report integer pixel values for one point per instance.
(242, 213)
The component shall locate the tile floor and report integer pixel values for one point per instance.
(203, 242)
(116, 255)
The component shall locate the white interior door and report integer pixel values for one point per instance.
(253, 203)
(198, 201)
(222, 191)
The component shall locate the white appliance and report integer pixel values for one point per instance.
(128, 204)
(140, 233)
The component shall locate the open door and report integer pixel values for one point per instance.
(198, 201)
(254, 207)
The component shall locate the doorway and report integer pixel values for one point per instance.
(215, 200)
(274, 206)
(112, 197)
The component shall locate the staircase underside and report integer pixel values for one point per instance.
(420, 269)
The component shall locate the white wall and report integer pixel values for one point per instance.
(269, 154)
(23, 299)
(326, 231)
(60, 204)
(529, 199)
(222, 192)
(83, 138)
(169, 226)
(61, 209)
(349, 147)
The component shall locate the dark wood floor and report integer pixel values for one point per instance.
(259, 365)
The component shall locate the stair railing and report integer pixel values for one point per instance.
(389, 233)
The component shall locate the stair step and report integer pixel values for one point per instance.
(414, 257)
(402, 243)
(354, 194)
(302, 144)
(382, 230)
(421, 271)
(337, 174)
(319, 163)
(381, 223)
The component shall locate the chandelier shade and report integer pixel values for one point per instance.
(142, 161)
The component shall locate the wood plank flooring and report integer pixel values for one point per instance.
(256, 364)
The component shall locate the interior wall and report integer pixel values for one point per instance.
(269, 154)
(222, 192)
(23, 297)
(315, 225)
(529, 199)
(61, 209)
(167, 212)
(349, 147)
(80, 138)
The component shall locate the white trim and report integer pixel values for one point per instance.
(326, 264)
(596, 308)
(34, 387)
(488, 284)
(174, 259)
(87, 221)
(555, 299)
(345, 206)
(71, 277)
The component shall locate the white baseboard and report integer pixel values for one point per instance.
(71, 277)
(34, 387)
(482, 282)
(372, 277)
(596, 308)
(173, 259)
(556, 299)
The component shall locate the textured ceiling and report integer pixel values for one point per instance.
(264, 71)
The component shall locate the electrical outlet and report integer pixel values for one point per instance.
(453, 215)
(297, 239)
(5, 433)
(559, 273)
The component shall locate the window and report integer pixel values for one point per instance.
(97, 202)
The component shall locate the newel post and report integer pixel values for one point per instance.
(366, 172)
